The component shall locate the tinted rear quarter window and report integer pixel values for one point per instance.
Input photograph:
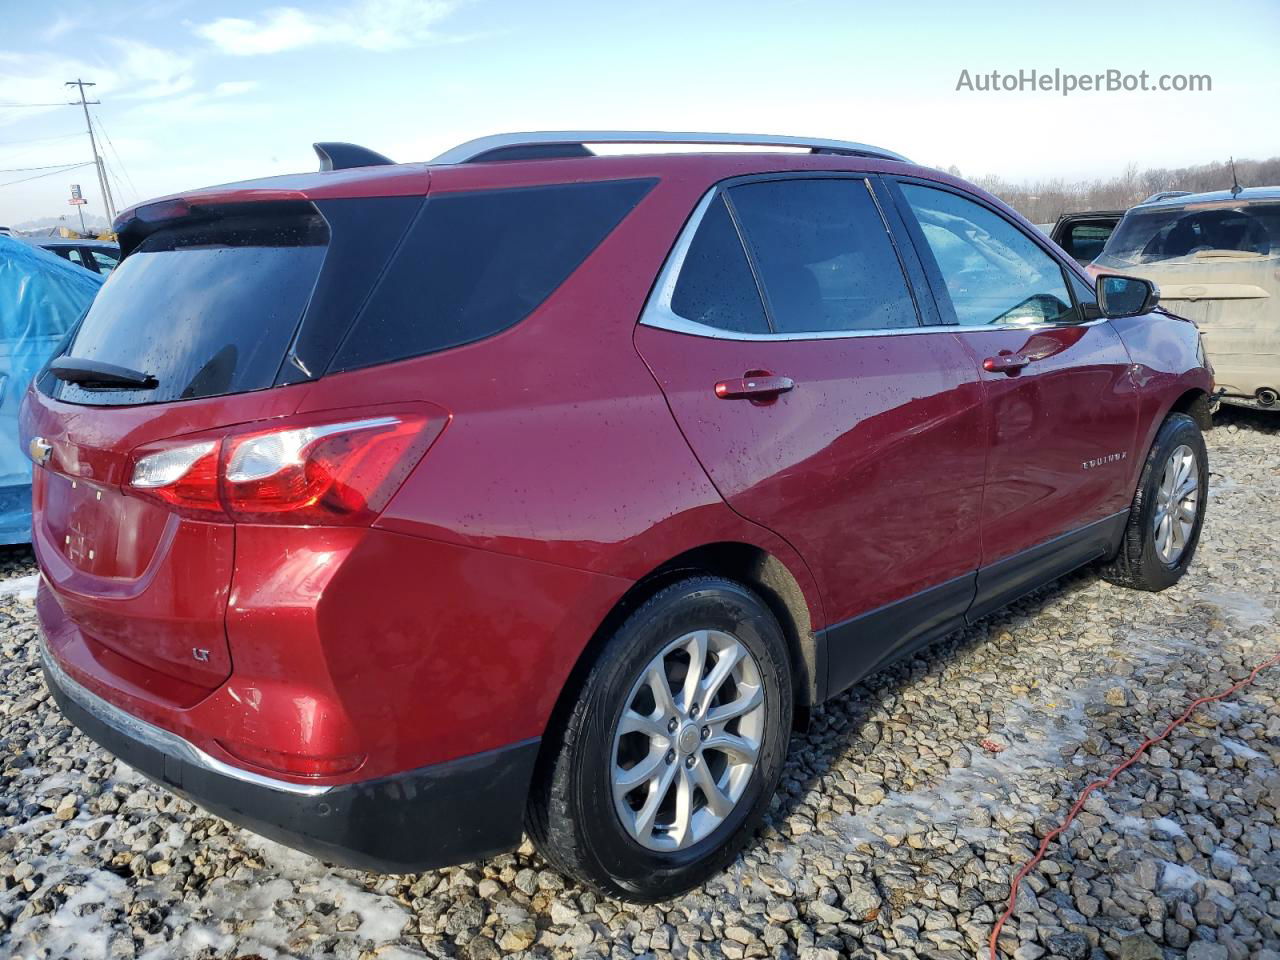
(477, 263)
(824, 256)
(716, 286)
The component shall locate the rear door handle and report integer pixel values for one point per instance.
(1005, 362)
(763, 387)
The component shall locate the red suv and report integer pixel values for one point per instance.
(392, 510)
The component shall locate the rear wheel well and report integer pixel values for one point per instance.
(754, 568)
(1196, 404)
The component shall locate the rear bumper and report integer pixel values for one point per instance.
(446, 813)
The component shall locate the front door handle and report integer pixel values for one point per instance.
(757, 387)
(1005, 362)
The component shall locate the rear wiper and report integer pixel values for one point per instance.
(95, 373)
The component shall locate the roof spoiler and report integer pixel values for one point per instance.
(343, 156)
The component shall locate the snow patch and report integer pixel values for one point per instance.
(1177, 877)
(75, 928)
(1170, 827)
(24, 588)
(1245, 610)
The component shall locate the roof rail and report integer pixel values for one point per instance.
(572, 143)
(1165, 195)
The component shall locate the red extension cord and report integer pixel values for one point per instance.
(1084, 794)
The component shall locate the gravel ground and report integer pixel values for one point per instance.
(896, 831)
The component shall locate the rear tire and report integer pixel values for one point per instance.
(1167, 514)
(677, 748)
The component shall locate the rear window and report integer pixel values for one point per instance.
(1191, 234)
(206, 309)
(475, 264)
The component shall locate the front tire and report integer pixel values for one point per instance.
(1168, 510)
(669, 758)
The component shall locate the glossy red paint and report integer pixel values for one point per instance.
(1048, 424)
(1167, 370)
(841, 465)
(452, 624)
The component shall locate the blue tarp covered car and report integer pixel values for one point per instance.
(41, 297)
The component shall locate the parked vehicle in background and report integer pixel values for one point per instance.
(1216, 259)
(99, 256)
(552, 489)
(41, 297)
(1083, 235)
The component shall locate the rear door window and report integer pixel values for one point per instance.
(206, 309)
(477, 263)
(824, 256)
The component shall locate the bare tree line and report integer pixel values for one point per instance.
(1045, 200)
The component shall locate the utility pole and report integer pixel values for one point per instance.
(107, 199)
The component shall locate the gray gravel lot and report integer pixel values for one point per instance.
(895, 832)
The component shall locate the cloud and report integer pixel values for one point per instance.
(368, 24)
(151, 72)
(233, 88)
(64, 24)
(135, 71)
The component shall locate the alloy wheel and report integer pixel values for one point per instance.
(1177, 500)
(688, 740)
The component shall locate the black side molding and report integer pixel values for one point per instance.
(869, 641)
(343, 156)
(864, 644)
(1002, 582)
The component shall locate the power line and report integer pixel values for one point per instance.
(47, 166)
(64, 136)
(116, 153)
(55, 173)
(64, 103)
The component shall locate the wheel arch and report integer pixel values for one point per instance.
(745, 563)
(1197, 404)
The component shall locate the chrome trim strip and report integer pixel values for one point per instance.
(658, 313)
(465, 152)
(163, 740)
(657, 310)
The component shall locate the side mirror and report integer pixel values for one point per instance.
(1125, 296)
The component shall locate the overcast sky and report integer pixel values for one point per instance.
(195, 93)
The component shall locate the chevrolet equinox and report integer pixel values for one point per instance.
(394, 510)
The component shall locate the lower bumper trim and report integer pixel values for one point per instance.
(454, 812)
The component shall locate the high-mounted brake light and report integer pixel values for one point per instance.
(309, 471)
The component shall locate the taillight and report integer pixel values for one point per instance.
(308, 471)
(184, 475)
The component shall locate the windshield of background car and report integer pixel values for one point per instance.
(1195, 233)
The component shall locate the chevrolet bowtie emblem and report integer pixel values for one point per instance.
(40, 450)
